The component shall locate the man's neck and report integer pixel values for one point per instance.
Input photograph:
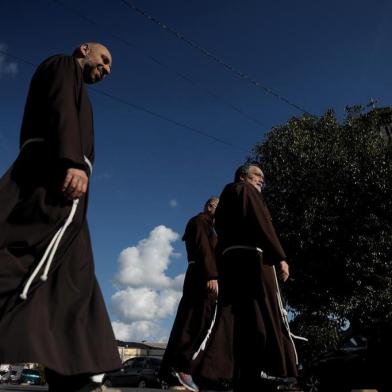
(79, 61)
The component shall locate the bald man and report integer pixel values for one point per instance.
(51, 308)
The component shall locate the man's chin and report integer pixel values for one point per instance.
(90, 77)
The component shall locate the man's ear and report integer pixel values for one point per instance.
(84, 50)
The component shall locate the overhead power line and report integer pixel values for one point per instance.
(185, 78)
(212, 56)
(142, 109)
(165, 118)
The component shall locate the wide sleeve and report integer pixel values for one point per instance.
(204, 231)
(199, 246)
(64, 84)
(259, 219)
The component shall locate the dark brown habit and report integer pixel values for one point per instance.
(251, 318)
(63, 323)
(196, 308)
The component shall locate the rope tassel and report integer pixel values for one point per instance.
(204, 342)
(50, 251)
(285, 318)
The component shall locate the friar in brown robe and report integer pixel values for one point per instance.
(197, 309)
(251, 259)
(51, 307)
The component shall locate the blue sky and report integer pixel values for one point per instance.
(151, 173)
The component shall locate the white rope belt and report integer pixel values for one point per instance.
(283, 311)
(51, 249)
(88, 163)
(285, 318)
(234, 247)
(42, 140)
(204, 342)
(34, 140)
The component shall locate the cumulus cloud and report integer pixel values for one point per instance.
(145, 264)
(7, 67)
(138, 331)
(137, 304)
(146, 295)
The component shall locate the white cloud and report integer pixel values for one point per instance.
(7, 67)
(173, 203)
(146, 295)
(137, 331)
(137, 304)
(145, 264)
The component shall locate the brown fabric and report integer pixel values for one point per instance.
(242, 218)
(63, 324)
(196, 308)
(250, 319)
(200, 241)
(60, 383)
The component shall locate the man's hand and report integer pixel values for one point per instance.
(212, 286)
(75, 183)
(283, 271)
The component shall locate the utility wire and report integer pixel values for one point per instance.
(187, 79)
(163, 117)
(142, 109)
(212, 56)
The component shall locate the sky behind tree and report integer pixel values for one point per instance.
(172, 124)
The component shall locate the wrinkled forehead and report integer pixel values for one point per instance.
(214, 202)
(255, 170)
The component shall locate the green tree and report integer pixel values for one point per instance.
(329, 188)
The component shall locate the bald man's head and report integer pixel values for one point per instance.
(210, 205)
(95, 60)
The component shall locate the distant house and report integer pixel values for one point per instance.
(126, 349)
(135, 349)
(14, 366)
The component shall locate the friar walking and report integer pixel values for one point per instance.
(51, 307)
(197, 310)
(251, 259)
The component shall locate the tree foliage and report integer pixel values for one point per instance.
(329, 188)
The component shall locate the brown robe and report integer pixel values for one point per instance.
(251, 321)
(197, 305)
(63, 324)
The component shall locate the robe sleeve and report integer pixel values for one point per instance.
(199, 245)
(207, 254)
(259, 219)
(64, 83)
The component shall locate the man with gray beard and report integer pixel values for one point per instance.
(251, 259)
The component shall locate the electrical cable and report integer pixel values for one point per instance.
(186, 78)
(142, 109)
(212, 56)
